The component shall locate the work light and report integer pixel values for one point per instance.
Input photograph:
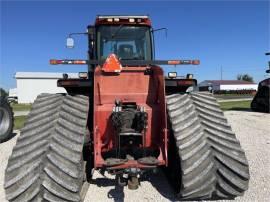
(83, 75)
(172, 75)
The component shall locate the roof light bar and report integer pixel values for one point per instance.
(122, 16)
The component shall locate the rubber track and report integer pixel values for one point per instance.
(46, 162)
(213, 165)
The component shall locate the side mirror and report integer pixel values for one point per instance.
(70, 42)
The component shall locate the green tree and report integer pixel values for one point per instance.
(245, 77)
(3, 93)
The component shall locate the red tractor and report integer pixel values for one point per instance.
(123, 117)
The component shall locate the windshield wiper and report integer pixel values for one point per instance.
(116, 31)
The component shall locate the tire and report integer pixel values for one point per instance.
(211, 163)
(46, 162)
(6, 120)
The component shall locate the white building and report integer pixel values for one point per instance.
(227, 85)
(31, 84)
(12, 92)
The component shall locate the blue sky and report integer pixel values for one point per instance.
(233, 35)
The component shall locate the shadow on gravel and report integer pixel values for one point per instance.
(104, 182)
(10, 137)
(116, 193)
(158, 181)
(161, 184)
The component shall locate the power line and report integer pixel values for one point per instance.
(248, 70)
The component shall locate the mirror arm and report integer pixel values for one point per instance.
(77, 33)
(164, 28)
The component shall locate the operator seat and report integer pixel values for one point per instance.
(125, 51)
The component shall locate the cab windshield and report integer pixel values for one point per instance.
(127, 42)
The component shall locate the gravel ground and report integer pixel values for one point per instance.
(253, 131)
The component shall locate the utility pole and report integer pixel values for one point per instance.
(221, 71)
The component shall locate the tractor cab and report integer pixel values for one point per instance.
(125, 41)
(128, 37)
